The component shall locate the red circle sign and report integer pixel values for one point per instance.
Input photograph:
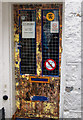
(54, 25)
(50, 64)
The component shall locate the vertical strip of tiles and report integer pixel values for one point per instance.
(60, 38)
(38, 42)
(60, 50)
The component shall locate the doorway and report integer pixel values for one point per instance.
(38, 47)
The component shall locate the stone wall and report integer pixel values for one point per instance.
(72, 94)
(82, 56)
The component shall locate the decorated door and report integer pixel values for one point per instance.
(37, 41)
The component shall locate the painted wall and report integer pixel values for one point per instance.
(82, 57)
(0, 55)
(70, 96)
(7, 81)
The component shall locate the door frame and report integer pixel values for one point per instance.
(10, 91)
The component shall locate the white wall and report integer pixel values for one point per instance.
(25, 1)
(7, 81)
(0, 55)
(72, 94)
(82, 56)
(6, 84)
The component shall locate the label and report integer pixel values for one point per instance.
(50, 64)
(54, 27)
(28, 29)
(22, 17)
(50, 16)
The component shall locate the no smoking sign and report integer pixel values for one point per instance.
(50, 64)
(54, 27)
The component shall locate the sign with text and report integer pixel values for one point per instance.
(54, 27)
(28, 29)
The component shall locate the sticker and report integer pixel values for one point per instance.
(28, 29)
(39, 98)
(50, 64)
(50, 16)
(22, 17)
(54, 27)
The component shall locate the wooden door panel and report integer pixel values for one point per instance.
(39, 99)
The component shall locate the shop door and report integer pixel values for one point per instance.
(37, 40)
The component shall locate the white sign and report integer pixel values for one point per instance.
(28, 29)
(54, 27)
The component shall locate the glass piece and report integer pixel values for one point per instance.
(50, 42)
(27, 41)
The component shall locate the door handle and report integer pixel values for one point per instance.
(18, 46)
